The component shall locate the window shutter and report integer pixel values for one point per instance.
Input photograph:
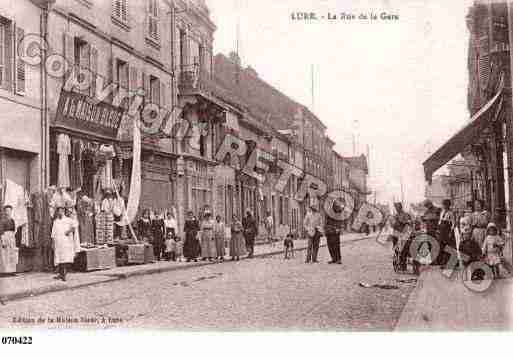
(133, 78)
(146, 87)
(20, 65)
(124, 10)
(116, 8)
(163, 94)
(94, 68)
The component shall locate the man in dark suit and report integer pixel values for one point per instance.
(250, 232)
(332, 230)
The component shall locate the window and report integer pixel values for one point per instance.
(153, 20)
(154, 90)
(122, 73)
(182, 48)
(120, 10)
(12, 69)
(122, 76)
(3, 52)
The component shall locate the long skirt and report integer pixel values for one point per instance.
(104, 227)
(237, 245)
(191, 246)
(208, 244)
(478, 235)
(219, 239)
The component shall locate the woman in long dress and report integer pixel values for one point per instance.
(446, 231)
(219, 233)
(191, 247)
(237, 243)
(208, 247)
(144, 227)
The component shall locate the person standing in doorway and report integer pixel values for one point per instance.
(312, 225)
(250, 232)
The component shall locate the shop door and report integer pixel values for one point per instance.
(15, 175)
(157, 195)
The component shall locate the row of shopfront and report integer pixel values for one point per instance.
(89, 164)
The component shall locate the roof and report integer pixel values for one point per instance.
(259, 96)
(357, 162)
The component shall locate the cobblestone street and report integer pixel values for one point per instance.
(262, 293)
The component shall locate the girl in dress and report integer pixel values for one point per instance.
(219, 233)
(492, 247)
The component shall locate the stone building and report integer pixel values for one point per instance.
(22, 125)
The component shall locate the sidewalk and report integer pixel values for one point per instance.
(31, 284)
(442, 304)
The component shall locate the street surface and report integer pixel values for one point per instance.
(262, 293)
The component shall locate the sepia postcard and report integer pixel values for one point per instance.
(255, 166)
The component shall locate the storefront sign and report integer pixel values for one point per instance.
(80, 112)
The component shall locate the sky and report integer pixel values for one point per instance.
(398, 87)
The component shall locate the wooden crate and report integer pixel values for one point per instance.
(95, 259)
(149, 256)
(8, 260)
(136, 254)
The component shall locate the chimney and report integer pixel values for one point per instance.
(251, 71)
(234, 57)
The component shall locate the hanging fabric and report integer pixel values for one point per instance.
(77, 172)
(135, 182)
(106, 171)
(64, 150)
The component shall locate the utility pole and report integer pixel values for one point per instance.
(402, 191)
(312, 89)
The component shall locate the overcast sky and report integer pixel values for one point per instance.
(399, 86)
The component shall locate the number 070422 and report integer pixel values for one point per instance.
(16, 340)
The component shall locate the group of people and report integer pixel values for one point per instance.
(332, 230)
(479, 237)
(205, 238)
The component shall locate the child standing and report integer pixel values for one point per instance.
(492, 246)
(288, 243)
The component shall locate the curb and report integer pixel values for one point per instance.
(116, 277)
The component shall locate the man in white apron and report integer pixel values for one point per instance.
(63, 240)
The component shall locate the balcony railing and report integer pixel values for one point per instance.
(194, 79)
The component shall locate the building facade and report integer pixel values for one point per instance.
(22, 128)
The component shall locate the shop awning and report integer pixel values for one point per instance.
(467, 135)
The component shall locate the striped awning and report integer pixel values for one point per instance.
(467, 135)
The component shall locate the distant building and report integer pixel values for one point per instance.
(439, 189)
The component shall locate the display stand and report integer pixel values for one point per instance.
(8, 260)
(92, 259)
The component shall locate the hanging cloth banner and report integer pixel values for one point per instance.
(135, 182)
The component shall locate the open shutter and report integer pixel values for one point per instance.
(133, 78)
(94, 69)
(20, 64)
(163, 94)
(146, 87)
(69, 48)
